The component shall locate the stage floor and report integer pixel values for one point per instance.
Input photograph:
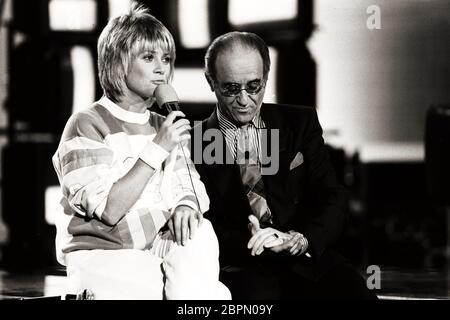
(395, 284)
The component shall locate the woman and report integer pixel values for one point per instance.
(132, 226)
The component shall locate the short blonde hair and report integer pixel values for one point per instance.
(120, 41)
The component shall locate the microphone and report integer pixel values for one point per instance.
(166, 98)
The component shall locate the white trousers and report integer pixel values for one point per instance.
(167, 271)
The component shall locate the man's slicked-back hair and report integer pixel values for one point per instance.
(230, 40)
(122, 39)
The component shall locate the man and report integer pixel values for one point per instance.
(275, 203)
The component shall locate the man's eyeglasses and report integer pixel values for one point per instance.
(234, 89)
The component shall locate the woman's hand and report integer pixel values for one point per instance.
(171, 133)
(184, 223)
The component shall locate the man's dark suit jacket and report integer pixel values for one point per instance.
(307, 198)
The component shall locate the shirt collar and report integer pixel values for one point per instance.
(226, 124)
(122, 114)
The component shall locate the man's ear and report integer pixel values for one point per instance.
(210, 82)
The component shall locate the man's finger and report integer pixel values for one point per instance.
(258, 248)
(255, 227)
(261, 240)
(255, 237)
(295, 248)
(257, 240)
(284, 246)
(293, 241)
(274, 241)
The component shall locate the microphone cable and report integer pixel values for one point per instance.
(174, 107)
(190, 178)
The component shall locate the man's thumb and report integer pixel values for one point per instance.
(254, 221)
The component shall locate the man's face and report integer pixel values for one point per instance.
(239, 68)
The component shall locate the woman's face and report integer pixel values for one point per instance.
(148, 69)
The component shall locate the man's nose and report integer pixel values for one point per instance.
(242, 97)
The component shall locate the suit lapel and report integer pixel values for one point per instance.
(275, 185)
(273, 121)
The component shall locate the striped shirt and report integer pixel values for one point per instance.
(98, 147)
(232, 133)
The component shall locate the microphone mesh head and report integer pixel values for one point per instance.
(164, 93)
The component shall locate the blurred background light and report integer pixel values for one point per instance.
(118, 7)
(256, 11)
(72, 15)
(193, 24)
(84, 78)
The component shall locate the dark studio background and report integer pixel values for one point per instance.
(382, 97)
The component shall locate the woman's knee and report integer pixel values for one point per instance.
(206, 229)
(206, 237)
